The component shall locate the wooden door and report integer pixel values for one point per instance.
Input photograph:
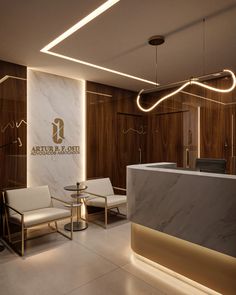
(233, 140)
(165, 142)
(216, 134)
(190, 137)
(130, 144)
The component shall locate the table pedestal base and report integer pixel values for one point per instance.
(77, 226)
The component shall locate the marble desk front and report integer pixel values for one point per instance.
(194, 206)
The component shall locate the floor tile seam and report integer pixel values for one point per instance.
(163, 293)
(90, 281)
(99, 254)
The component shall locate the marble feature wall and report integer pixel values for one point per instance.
(51, 97)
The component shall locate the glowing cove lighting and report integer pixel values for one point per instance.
(192, 81)
(98, 11)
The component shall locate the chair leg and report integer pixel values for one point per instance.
(56, 226)
(8, 227)
(71, 229)
(25, 234)
(105, 217)
(3, 226)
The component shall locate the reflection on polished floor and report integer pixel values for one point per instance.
(97, 262)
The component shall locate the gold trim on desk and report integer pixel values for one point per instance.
(209, 268)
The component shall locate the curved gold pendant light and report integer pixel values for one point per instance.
(190, 82)
(158, 40)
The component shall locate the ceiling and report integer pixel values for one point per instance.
(117, 39)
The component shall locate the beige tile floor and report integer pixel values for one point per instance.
(97, 261)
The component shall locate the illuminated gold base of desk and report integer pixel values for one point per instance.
(212, 269)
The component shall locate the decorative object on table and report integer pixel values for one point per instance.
(78, 200)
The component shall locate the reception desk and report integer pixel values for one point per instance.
(186, 221)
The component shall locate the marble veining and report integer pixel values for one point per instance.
(50, 97)
(194, 206)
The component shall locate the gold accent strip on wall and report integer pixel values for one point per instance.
(99, 93)
(198, 132)
(232, 135)
(208, 99)
(11, 77)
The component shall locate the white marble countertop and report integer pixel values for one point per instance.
(162, 166)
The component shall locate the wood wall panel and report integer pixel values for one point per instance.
(12, 110)
(107, 150)
(130, 144)
(216, 125)
(100, 142)
(165, 138)
(171, 130)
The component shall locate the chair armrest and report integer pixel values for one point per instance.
(104, 197)
(119, 188)
(17, 211)
(62, 201)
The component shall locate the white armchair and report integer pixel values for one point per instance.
(102, 195)
(29, 207)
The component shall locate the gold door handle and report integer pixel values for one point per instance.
(140, 155)
(187, 157)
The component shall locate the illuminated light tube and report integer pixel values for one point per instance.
(11, 77)
(98, 11)
(105, 6)
(99, 67)
(190, 82)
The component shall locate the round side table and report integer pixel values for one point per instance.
(79, 198)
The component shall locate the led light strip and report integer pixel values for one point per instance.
(199, 132)
(205, 98)
(99, 67)
(105, 6)
(98, 11)
(11, 77)
(190, 82)
(168, 278)
(99, 93)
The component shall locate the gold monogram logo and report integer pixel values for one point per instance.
(58, 131)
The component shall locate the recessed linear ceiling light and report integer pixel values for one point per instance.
(158, 40)
(105, 6)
